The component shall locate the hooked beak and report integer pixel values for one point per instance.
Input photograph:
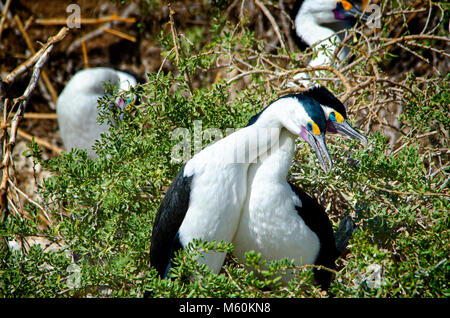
(346, 129)
(317, 142)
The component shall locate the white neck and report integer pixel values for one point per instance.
(242, 147)
(313, 32)
(309, 30)
(274, 165)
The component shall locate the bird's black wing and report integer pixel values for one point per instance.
(344, 233)
(315, 217)
(170, 215)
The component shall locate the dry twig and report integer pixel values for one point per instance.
(45, 77)
(119, 34)
(20, 104)
(39, 141)
(4, 15)
(63, 21)
(272, 20)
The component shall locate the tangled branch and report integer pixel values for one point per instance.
(20, 103)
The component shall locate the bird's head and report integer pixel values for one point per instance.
(303, 116)
(328, 11)
(346, 10)
(335, 113)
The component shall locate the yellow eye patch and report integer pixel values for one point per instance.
(313, 126)
(346, 5)
(339, 117)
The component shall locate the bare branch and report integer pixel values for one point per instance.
(272, 21)
(21, 103)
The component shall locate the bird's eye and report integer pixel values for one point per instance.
(332, 116)
(313, 127)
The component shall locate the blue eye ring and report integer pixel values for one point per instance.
(309, 126)
(332, 116)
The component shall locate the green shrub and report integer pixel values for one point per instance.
(103, 210)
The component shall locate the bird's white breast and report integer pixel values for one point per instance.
(77, 106)
(216, 199)
(218, 192)
(77, 121)
(270, 224)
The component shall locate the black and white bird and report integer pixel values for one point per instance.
(206, 198)
(319, 22)
(76, 106)
(282, 221)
